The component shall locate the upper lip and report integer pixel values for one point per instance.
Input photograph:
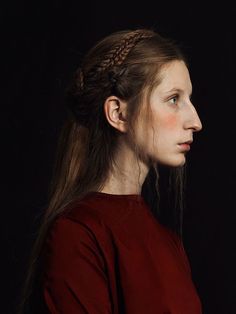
(187, 142)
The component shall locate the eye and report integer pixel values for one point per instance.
(174, 99)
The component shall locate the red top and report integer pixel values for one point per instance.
(109, 254)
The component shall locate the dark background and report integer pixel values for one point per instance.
(42, 45)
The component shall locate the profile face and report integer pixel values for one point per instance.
(173, 118)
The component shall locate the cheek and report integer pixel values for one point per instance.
(169, 122)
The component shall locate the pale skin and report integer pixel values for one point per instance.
(174, 119)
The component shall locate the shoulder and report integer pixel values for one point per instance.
(75, 227)
(85, 216)
(97, 213)
(70, 245)
(80, 223)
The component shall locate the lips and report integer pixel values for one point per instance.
(187, 142)
(185, 146)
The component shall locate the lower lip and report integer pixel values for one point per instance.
(185, 146)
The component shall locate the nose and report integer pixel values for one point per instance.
(193, 121)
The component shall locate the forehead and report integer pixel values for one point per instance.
(175, 75)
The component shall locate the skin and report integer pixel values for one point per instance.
(172, 120)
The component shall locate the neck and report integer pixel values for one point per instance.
(127, 175)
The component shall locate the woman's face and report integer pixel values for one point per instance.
(173, 117)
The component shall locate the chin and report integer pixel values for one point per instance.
(175, 162)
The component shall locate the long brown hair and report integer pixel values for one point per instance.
(125, 64)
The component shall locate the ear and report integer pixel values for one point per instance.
(115, 111)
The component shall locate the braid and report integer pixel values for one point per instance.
(117, 54)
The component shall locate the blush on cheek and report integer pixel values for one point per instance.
(170, 121)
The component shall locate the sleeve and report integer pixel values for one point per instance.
(74, 281)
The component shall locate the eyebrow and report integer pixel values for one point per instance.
(179, 90)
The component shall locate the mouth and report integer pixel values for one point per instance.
(187, 142)
(186, 145)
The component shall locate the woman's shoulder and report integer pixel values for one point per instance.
(76, 226)
(97, 212)
(85, 216)
(70, 241)
(79, 218)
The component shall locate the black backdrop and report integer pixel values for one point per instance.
(42, 45)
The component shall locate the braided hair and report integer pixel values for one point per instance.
(119, 52)
(107, 70)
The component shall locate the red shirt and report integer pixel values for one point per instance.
(109, 254)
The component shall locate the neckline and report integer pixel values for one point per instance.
(132, 197)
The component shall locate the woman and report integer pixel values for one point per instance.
(101, 248)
